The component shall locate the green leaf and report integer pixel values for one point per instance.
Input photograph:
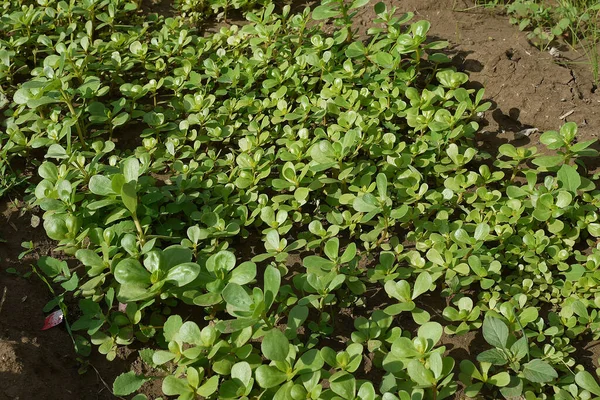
(310, 361)
(586, 381)
(22, 95)
(242, 372)
(515, 192)
(209, 387)
(581, 148)
(268, 376)
(35, 103)
(358, 3)
(548, 161)
(399, 212)
(51, 266)
(482, 231)
(539, 371)
(134, 292)
(244, 273)
(275, 346)
(234, 325)
(420, 28)
(90, 259)
(381, 181)
(501, 379)
(332, 248)
(396, 309)
(222, 261)
(120, 119)
(366, 203)
(435, 257)
(420, 316)
(542, 214)
(569, 131)
(432, 331)
(492, 356)
(131, 272)
(101, 185)
(495, 332)
(183, 274)
(56, 151)
(131, 169)
(171, 327)
(172, 386)
(436, 364)
(129, 196)
(508, 150)
(236, 296)
(161, 357)
(48, 171)
(175, 255)
(451, 314)
(317, 263)
(56, 227)
(379, 8)
(552, 139)
(296, 318)
(422, 284)
(117, 181)
(563, 199)
(473, 390)
(569, 178)
(462, 236)
(71, 284)
(343, 384)
(383, 59)
(398, 290)
(514, 389)
(272, 283)
(419, 374)
(367, 392)
(127, 383)
(404, 348)
(324, 11)
(355, 49)
(520, 348)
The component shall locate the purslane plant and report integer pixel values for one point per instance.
(275, 178)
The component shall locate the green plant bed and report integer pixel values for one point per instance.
(273, 178)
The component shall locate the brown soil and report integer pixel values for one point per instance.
(37, 364)
(528, 89)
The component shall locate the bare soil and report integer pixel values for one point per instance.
(36, 364)
(529, 88)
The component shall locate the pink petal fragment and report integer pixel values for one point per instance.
(53, 319)
(122, 307)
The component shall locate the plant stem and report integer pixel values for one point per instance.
(81, 168)
(138, 227)
(67, 100)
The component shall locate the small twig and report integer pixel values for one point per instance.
(104, 382)
(3, 298)
(76, 268)
(565, 115)
(591, 345)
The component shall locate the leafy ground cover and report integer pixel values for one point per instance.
(277, 177)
